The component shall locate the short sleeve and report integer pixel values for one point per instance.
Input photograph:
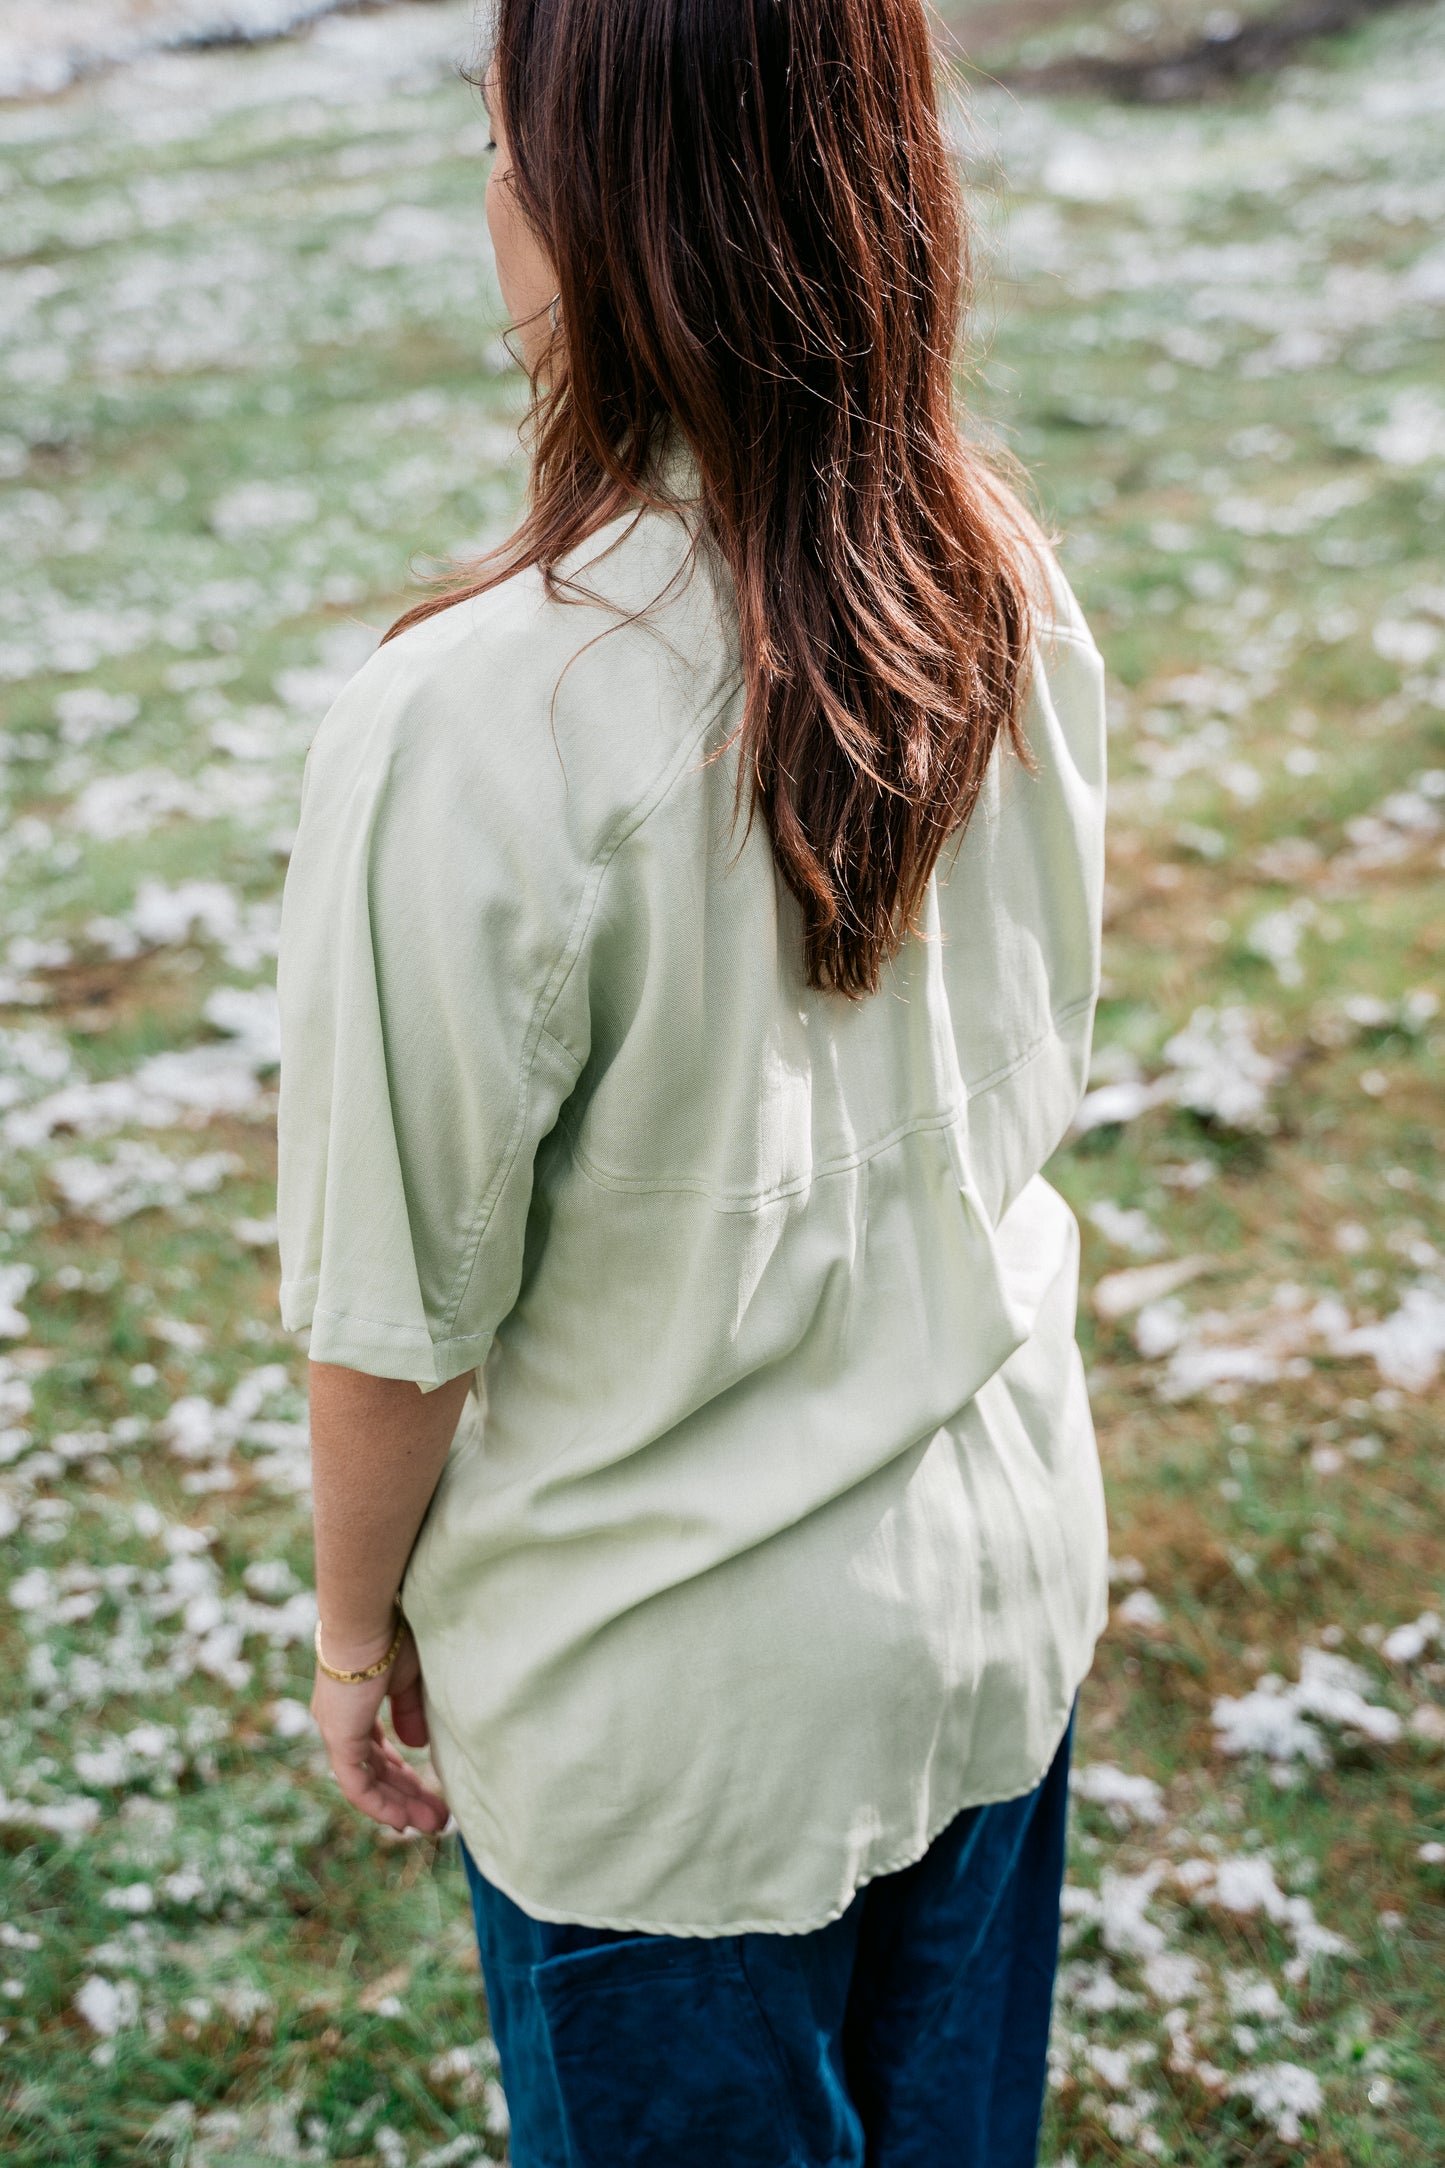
(433, 1019)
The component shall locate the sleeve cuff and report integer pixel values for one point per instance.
(380, 1350)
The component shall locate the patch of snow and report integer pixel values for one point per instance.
(1125, 1926)
(1137, 1798)
(85, 712)
(262, 508)
(1160, 1326)
(1408, 641)
(1274, 1720)
(132, 1897)
(1409, 1344)
(1219, 1072)
(1407, 1644)
(169, 1088)
(1213, 1068)
(1219, 1351)
(1136, 1287)
(1173, 1977)
(291, 1719)
(1276, 937)
(1093, 1988)
(1246, 1883)
(138, 1178)
(1249, 1994)
(1131, 1230)
(15, 1280)
(1141, 1608)
(166, 917)
(1281, 2094)
(107, 2006)
(1413, 431)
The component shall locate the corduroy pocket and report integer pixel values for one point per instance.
(662, 2059)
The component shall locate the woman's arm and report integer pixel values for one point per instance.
(377, 1450)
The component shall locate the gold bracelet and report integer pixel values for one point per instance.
(372, 1671)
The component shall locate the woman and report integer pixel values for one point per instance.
(689, 960)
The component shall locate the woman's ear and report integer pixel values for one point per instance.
(527, 280)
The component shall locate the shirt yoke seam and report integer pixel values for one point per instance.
(920, 1125)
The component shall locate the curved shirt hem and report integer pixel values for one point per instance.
(631, 1924)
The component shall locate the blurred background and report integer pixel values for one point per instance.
(252, 374)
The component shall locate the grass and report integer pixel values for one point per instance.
(255, 355)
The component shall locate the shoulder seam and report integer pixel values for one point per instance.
(555, 986)
(1053, 633)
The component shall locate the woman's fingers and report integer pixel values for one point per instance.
(408, 1716)
(374, 1778)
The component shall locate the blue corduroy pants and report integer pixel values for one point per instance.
(909, 2033)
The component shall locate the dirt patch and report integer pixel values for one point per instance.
(1207, 66)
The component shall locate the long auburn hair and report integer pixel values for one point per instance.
(759, 245)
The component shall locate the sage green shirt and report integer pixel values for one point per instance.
(774, 1533)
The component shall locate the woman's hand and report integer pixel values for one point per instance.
(377, 1449)
(372, 1775)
